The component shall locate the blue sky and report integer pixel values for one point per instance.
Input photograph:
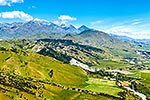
(122, 17)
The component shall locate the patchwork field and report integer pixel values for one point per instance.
(143, 84)
(111, 64)
(103, 86)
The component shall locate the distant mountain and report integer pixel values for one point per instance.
(131, 40)
(142, 42)
(83, 28)
(113, 46)
(37, 28)
(70, 28)
(32, 28)
(124, 38)
(95, 38)
(7, 30)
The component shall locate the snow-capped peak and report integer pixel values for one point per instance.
(43, 21)
(65, 25)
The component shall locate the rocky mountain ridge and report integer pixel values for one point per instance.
(33, 27)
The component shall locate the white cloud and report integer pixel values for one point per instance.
(40, 20)
(9, 2)
(135, 28)
(130, 32)
(96, 22)
(56, 22)
(119, 30)
(3, 2)
(66, 18)
(17, 1)
(146, 25)
(141, 35)
(16, 14)
(137, 21)
(32, 7)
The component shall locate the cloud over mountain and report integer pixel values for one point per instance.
(66, 18)
(17, 1)
(16, 15)
(63, 19)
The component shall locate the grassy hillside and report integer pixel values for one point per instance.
(60, 49)
(26, 74)
(13, 87)
(114, 48)
(64, 50)
(23, 75)
(29, 64)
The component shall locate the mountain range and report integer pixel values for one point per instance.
(131, 40)
(33, 27)
(41, 29)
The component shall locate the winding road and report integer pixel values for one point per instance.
(137, 93)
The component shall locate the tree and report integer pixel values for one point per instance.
(50, 73)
